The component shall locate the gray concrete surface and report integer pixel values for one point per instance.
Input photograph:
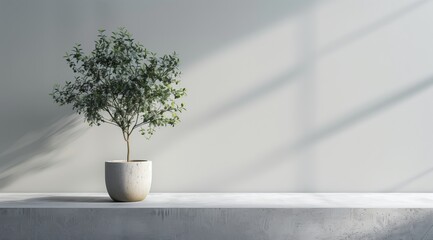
(221, 200)
(218, 224)
(236, 216)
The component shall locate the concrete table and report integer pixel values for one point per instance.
(219, 216)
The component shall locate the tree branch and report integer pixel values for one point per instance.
(141, 124)
(136, 120)
(114, 119)
(104, 120)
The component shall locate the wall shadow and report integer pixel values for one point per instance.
(33, 44)
(32, 131)
(247, 98)
(34, 151)
(275, 157)
(371, 28)
(199, 28)
(404, 183)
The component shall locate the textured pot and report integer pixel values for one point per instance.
(128, 181)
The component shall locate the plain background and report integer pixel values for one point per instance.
(283, 96)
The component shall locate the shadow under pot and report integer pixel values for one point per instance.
(128, 181)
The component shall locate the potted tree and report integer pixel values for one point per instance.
(123, 84)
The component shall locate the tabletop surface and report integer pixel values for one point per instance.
(221, 200)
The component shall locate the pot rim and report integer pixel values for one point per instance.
(130, 161)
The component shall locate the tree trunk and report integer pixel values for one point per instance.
(127, 149)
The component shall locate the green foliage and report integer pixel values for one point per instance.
(123, 84)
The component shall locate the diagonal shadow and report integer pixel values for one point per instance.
(363, 113)
(408, 181)
(273, 158)
(33, 152)
(29, 146)
(368, 29)
(245, 99)
(282, 80)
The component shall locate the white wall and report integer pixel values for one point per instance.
(305, 96)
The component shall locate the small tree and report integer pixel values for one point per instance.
(123, 84)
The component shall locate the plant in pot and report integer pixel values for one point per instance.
(123, 84)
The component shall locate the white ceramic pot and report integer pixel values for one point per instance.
(128, 181)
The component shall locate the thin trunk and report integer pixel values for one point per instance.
(127, 150)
